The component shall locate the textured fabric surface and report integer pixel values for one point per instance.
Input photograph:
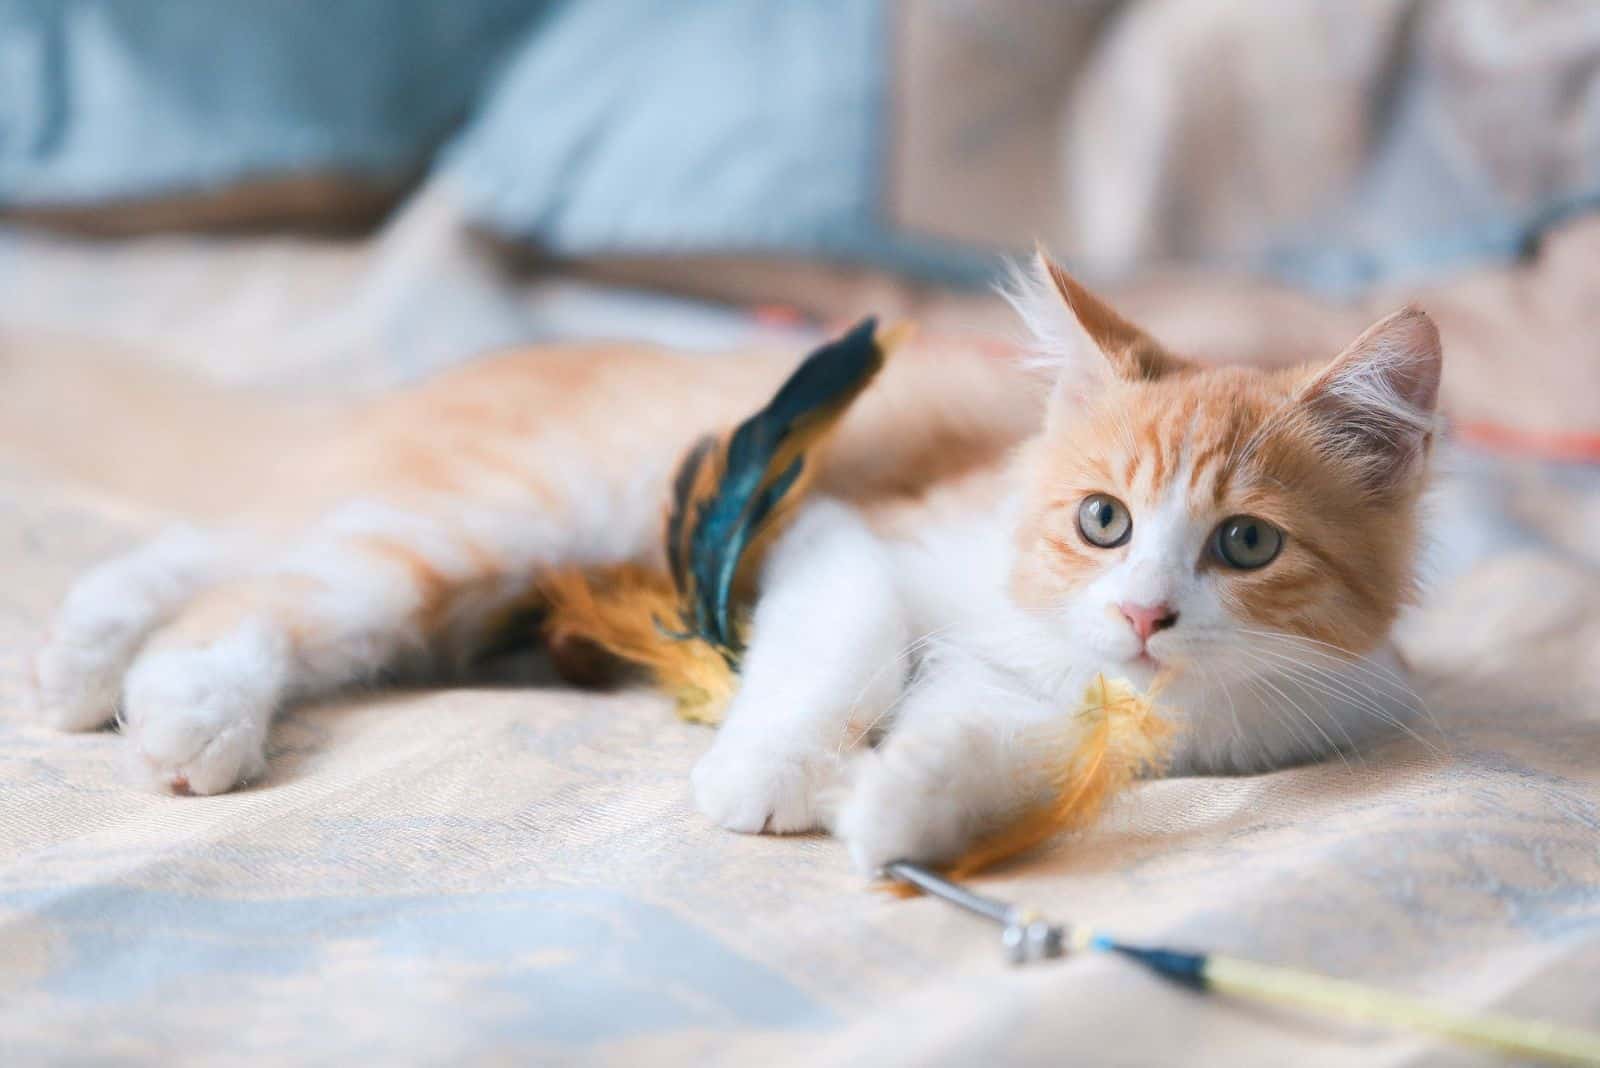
(516, 876)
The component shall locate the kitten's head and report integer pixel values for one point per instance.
(1176, 514)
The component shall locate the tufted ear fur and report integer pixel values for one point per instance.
(1374, 405)
(1081, 335)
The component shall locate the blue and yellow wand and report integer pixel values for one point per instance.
(1027, 936)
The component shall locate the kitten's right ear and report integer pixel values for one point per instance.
(1080, 334)
(1375, 403)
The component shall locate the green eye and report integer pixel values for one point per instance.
(1245, 542)
(1104, 521)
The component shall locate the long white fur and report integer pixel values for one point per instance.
(956, 766)
(196, 717)
(953, 764)
(196, 714)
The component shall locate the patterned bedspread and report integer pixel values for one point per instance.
(516, 876)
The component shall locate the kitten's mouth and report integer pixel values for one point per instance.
(1145, 660)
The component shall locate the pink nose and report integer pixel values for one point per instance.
(1146, 619)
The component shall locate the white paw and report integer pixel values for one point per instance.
(891, 815)
(76, 683)
(929, 799)
(196, 717)
(77, 674)
(752, 786)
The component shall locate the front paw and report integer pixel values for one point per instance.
(754, 786)
(897, 809)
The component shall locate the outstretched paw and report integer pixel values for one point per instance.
(890, 815)
(755, 787)
(928, 799)
(196, 717)
(78, 672)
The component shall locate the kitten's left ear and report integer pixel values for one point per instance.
(1375, 402)
(1081, 334)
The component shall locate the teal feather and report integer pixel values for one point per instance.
(721, 505)
(683, 485)
(727, 563)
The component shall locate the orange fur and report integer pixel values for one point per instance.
(525, 432)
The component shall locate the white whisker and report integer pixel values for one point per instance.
(1288, 724)
(1335, 687)
(1267, 682)
(1349, 663)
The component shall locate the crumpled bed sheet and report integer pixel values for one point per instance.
(517, 876)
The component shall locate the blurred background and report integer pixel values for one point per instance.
(352, 194)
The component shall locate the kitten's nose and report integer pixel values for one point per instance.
(1146, 619)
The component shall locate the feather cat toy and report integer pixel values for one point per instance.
(687, 624)
(729, 499)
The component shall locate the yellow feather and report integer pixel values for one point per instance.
(631, 611)
(1116, 735)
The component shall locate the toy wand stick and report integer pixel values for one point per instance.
(1027, 936)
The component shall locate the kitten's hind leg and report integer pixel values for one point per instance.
(826, 649)
(374, 590)
(106, 616)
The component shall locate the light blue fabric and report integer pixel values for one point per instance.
(109, 100)
(553, 968)
(681, 127)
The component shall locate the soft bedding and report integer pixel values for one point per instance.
(517, 876)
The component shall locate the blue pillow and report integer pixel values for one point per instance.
(674, 127)
(112, 100)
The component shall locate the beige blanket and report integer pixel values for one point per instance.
(517, 876)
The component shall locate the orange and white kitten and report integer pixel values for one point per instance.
(981, 543)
